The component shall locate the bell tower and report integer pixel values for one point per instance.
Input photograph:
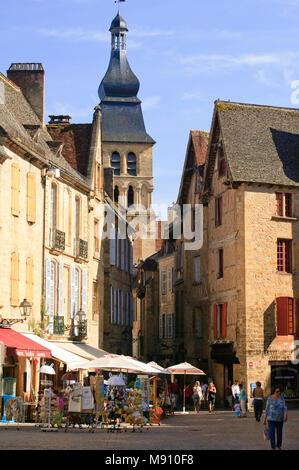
(126, 146)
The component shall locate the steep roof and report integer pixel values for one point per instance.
(261, 143)
(194, 160)
(19, 121)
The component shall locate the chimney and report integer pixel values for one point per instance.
(30, 78)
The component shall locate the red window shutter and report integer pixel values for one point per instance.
(282, 316)
(297, 318)
(215, 321)
(224, 320)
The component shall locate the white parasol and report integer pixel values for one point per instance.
(111, 362)
(147, 368)
(156, 366)
(45, 369)
(186, 369)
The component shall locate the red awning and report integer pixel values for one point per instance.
(18, 345)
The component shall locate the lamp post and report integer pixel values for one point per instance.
(82, 324)
(25, 310)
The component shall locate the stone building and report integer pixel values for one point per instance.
(127, 148)
(250, 191)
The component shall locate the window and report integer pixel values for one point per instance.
(96, 238)
(284, 256)
(15, 189)
(221, 162)
(196, 261)
(14, 280)
(116, 194)
(53, 213)
(131, 164)
(77, 226)
(284, 205)
(197, 322)
(218, 211)
(115, 162)
(163, 282)
(170, 279)
(220, 320)
(220, 263)
(169, 325)
(31, 198)
(287, 321)
(166, 326)
(130, 196)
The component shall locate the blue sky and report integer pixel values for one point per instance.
(186, 54)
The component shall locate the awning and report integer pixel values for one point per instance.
(58, 353)
(81, 349)
(18, 345)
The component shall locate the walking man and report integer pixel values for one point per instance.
(258, 395)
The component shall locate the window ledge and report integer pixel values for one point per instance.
(285, 274)
(283, 218)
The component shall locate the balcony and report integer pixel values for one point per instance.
(58, 325)
(57, 241)
(81, 250)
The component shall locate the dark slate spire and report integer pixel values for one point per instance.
(121, 109)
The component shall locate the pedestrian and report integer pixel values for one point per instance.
(228, 394)
(174, 390)
(276, 413)
(188, 394)
(197, 396)
(204, 389)
(258, 398)
(235, 391)
(243, 401)
(237, 408)
(211, 396)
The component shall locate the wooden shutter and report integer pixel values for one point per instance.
(297, 318)
(60, 290)
(29, 280)
(122, 308)
(111, 305)
(131, 258)
(31, 198)
(282, 316)
(84, 290)
(52, 297)
(48, 283)
(14, 280)
(15, 189)
(215, 320)
(122, 254)
(73, 313)
(224, 320)
(161, 326)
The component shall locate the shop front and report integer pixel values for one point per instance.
(286, 376)
(19, 368)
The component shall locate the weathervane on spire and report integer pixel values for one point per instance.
(119, 1)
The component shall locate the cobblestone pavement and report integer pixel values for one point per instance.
(220, 431)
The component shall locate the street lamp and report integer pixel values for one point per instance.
(81, 315)
(25, 308)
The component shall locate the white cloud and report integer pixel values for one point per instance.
(150, 102)
(78, 34)
(192, 96)
(263, 78)
(216, 61)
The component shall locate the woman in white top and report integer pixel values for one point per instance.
(197, 396)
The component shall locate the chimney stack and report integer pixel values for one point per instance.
(30, 77)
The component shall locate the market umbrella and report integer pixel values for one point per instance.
(186, 369)
(45, 369)
(146, 368)
(156, 366)
(111, 362)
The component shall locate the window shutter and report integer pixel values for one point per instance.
(60, 290)
(84, 290)
(111, 305)
(118, 306)
(29, 280)
(73, 313)
(15, 189)
(131, 310)
(161, 326)
(224, 320)
(52, 297)
(117, 249)
(115, 306)
(112, 247)
(282, 316)
(31, 197)
(14, 296)
(127, 309)
(127, 256)
(215, 320)
(297, 319)
(48, 285)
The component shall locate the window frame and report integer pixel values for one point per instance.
(284, 255)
